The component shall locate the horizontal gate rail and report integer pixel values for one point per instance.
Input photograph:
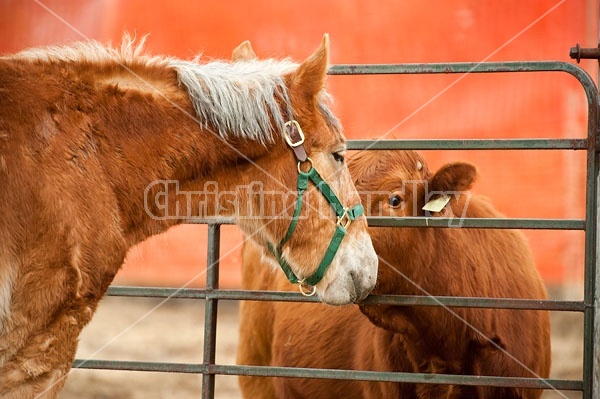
(481, 223)
(469, 67)
(401, 300)
(421, 378)
(460, 67)
(212, 294)
(471, 144)
(468, 223)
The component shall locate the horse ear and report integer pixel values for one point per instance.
(243, 52)
(456, 176)
(309, 78)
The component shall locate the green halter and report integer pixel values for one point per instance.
(295, 138)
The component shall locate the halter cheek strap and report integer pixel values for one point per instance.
(295, 139)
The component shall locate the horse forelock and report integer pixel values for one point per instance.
(241, 99)
(248, 99)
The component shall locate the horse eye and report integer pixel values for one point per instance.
(339, 156)
(395, 201)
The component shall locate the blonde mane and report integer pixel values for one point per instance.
(240, 99)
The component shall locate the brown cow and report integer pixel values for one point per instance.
(413, 261)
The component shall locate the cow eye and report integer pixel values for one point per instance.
(339, 156)
(395, 201)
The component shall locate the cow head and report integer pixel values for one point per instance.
(399, 184)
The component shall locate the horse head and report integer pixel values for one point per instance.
(307, 213)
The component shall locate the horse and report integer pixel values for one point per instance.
(436, 261)
(101, 148)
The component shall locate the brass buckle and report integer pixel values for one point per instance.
(288, 139)
(301, 287)
(344, 220)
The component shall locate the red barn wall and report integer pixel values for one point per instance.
(521, 183)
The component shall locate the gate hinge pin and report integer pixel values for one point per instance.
(579, 53)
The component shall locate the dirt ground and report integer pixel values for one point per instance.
(144, 329)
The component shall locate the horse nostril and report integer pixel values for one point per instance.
(360, 292)
(363, 285)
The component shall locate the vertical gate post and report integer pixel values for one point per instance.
(591, 353)
(595, 371)
(210, 315)
(595, 366)
(596, 344)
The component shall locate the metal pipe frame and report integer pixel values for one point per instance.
(590, 306)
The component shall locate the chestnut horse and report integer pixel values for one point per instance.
(413, 261)
(101, 148)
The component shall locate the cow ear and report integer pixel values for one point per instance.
(456, 176)
(309, 78)
(243, 52)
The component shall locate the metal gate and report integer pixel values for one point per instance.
(589, 385)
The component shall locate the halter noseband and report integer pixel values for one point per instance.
(294, 137)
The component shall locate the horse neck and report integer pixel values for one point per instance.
(125, 132)
(156, 148)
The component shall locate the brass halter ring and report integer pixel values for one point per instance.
(301, 162)
(301, 287)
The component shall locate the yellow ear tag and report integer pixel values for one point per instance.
(437, 204)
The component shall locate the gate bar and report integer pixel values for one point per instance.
(484, 223)
(591, 290)
(469, 144)
(471, 67)
(591, 368)
(419, 378)
(591, 294)
(403, 300)
(211, 306)
(269, 371)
